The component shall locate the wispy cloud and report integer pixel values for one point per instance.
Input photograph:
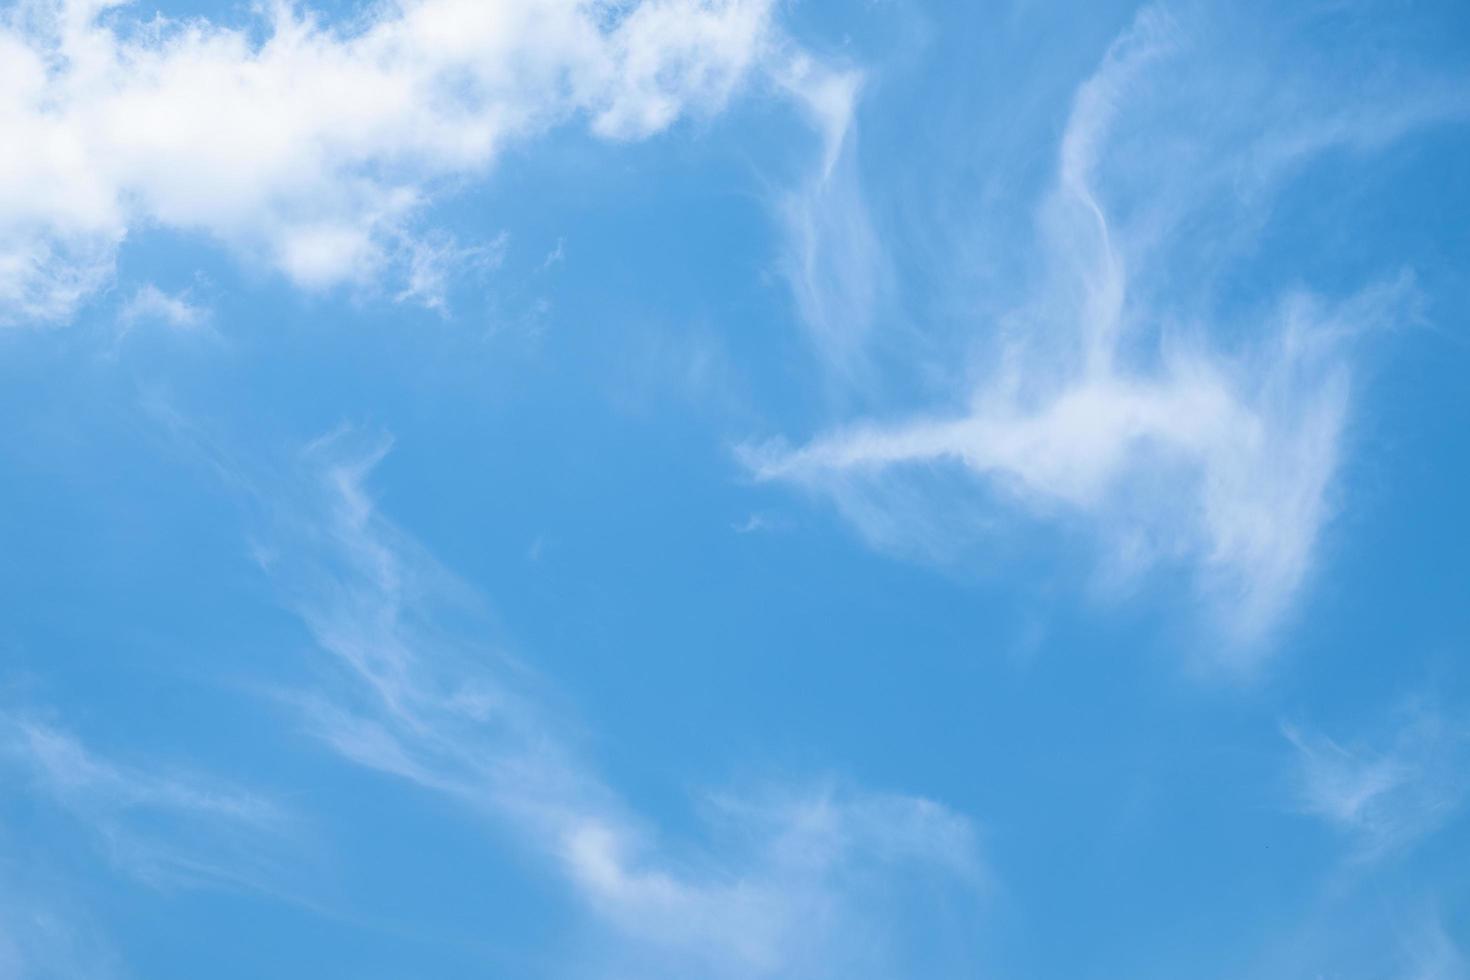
(44, 938)
(554, 257)
(435, 259)
(149, 304)
(1385, 793)
(832, 258)
(1362, 937)
(311, 145)
(789, 881)
(753, 524)
(1433, 955)
(164, 828)
(1109, 393)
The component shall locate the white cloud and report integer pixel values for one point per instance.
(1385, 794)
(434, 259)
(752, 524)
(1107, 397)
(163, 828)
(307, 145)
(152, 305)
(789, 882)
(1223, 462)
(811, 886)
(832, 258)
(555, 256)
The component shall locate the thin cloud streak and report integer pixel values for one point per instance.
(1102, 401)
(831, 258)
(165, 829)
(414, 691)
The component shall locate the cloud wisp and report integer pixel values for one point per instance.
(43, 938)
(165, 829)
(1384, 795)
(832, 259)
(1107, 397)
(312, 146)
(790, 881)
(151, 305)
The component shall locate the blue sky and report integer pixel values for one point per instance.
(734, 489)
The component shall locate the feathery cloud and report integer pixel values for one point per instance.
(163, 828)
(788, 876)
(1108, 397)
(1385, 794)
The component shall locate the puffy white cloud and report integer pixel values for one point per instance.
(310, 145)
